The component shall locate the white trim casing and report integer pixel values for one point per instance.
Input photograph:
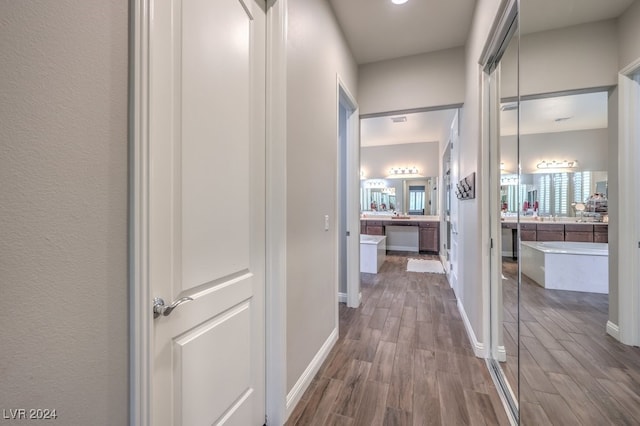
(628, 207)
(276, 218)
(352, 181)
(309, 373)
(140, 313)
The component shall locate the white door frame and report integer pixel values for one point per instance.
(276, 217)
(140, 306)
(140, 313)
(628, 207)
(352, 181)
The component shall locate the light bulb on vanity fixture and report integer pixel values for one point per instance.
(404, 173)
(557, 164)
(399, 1)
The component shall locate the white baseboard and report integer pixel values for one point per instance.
(342, 297)
(502, 354)
(613, 330)
(293, 397)
(478, 347)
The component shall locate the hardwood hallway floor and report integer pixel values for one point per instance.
(402, 358)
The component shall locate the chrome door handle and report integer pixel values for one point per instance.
(159, 308)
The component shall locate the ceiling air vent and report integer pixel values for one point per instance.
(400, 119)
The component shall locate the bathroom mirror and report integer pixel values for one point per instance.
(553, 194)
(415, 196)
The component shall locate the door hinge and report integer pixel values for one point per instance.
(491, 243)
(348, 234)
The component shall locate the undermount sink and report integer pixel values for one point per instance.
(400, 217)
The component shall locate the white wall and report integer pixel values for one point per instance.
(470, 212)
(577, 57)
(376, 161)
(316, 52)
(589, 147)
(629, 35)
(63, 204)
(426, 80)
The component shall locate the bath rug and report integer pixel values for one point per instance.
(424, 265)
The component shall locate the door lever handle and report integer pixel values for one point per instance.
(159, 308)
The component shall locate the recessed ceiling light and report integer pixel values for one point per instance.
(399, 1)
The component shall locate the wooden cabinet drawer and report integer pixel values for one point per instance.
(428, 224)
(528, 226)
(549, 235)
(601, 229)
(373, 222)
(578, 227)
(584, 237)
(600, 237)
(550, 227)
(527, 235)
(428, 239)
(375, 230)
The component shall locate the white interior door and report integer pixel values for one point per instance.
(206, 210)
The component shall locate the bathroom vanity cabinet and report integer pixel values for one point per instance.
(428, 230)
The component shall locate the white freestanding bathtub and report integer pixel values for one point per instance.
(564, 265)
(373, 251)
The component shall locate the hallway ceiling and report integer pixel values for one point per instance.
(544, 15)
(377, 30)
(556, 114)
(419, 127)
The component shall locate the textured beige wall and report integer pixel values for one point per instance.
(427, 80)
(470, 211)
(629, 33)
(63, 209)
(316, 53)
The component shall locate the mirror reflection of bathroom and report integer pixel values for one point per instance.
(558, 200)
(400, 162)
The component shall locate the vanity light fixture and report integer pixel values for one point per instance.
(557, 164)
(404, 172)
(501, 166)
(399, 1)
(362, 176)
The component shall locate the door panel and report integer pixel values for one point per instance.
(206, 210)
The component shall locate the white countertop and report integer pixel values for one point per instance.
(559, 221)
(404, 219)
(371, 239)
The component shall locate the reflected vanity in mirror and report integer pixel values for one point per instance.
(407, 197)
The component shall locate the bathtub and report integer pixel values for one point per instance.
(564, 265)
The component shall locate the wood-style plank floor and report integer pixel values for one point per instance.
(572, 372)
(402, 358)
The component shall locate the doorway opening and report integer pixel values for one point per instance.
(348, 209)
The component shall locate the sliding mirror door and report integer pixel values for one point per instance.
(501, 91)
(571, 253)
